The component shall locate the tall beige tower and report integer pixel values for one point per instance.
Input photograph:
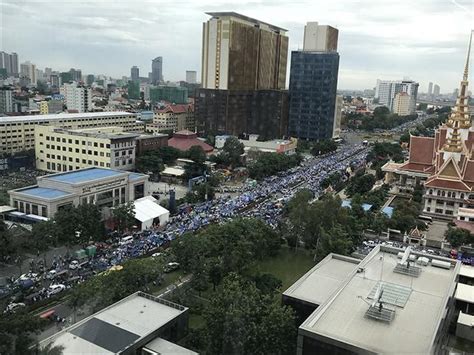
(320, 38)
(242, 53)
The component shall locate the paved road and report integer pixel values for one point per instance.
(16, 269)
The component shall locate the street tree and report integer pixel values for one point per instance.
(150, 162)
(232, 150)
(124, 216)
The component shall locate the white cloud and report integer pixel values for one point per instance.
(423, 39)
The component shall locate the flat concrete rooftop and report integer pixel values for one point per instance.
(341, 320)
(323, 279)
(116, 327)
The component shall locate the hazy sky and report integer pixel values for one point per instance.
(425, 40)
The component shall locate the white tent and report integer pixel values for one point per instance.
(147, 210)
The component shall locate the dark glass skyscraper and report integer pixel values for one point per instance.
(313, 85)
(157, 70)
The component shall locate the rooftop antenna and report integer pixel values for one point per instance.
(403, 266)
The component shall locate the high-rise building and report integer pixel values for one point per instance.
(76, 74)
(10, 63)
(157, 70)
(134, 90)
(336, 132)
(54, 79)
(191, 76)
(243, 74)
(318, 38)
(6, 100)
(65, 77)
(28, 71)
(172, 94)
(14, 63)
(90, 79)
(134, 73)
(77, 97)
(430, 89)
(313, 84)
(401, 104)
(242, 53)
(262, 112)
(387, 90)
(436, 90)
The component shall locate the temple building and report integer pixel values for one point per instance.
(443, 164)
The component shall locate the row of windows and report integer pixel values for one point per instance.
(452, 194)
(63, 167)
(30, 208)
(77, 150)
(71, 120)
(64, 157)
(77, 142)
(440, 211)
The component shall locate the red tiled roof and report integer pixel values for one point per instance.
(178, 108)
(421, 150)
(184, 140)
(422, 168)
(469, 171)
(447, 184)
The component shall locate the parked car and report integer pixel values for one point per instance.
(171, 266)
(74, 265)
(13, 307)
(51, 274)
(55, 289)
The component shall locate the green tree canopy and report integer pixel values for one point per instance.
(124, 216)
(232, 151)
(457, 237)
(242, 320)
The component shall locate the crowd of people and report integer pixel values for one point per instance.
(264, 200)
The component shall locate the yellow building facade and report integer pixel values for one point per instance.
(60, 149)
(18, 133)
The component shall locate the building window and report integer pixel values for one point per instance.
(428, 209)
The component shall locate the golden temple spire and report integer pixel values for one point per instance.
(466, 68)
(460, 118)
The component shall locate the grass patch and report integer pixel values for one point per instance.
(288, 265)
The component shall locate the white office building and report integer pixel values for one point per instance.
(28, 71)
(77, 97)
(386, 91)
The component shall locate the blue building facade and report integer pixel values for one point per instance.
(313, 86)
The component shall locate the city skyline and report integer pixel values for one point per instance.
(132, 35)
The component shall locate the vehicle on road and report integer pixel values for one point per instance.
(13, 307)
(55, 289)
(126, 240)
(51, 274)
(74, 265)
(156, 255)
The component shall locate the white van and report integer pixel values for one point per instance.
(126, 240)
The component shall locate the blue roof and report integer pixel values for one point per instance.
(346, 203)
(134, 176)
(388, 211)
(44, 192)
(79, 176)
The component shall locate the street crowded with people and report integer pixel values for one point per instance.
(264, 200)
